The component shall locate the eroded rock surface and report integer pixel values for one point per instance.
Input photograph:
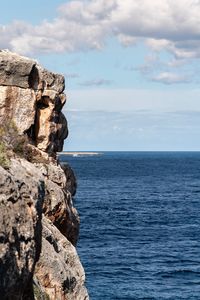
(21, 200)
(16, 70)
(59, 268)
(33, 98)
(39, 225)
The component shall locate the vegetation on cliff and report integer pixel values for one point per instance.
(11, 143)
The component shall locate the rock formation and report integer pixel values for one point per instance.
(38, 223)
(33, 98)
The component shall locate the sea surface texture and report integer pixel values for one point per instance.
(140, 224)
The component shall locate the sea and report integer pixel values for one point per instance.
(140, 224)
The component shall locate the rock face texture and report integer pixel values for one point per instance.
(59, 268)
(21, 202)
(39, 225)
(33, 98)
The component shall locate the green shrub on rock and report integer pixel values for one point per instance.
(11, 143)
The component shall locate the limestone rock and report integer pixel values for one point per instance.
(17, 104)
(24, 189)
(51, 80)
(59, 268)
(71, 184)
(33, 98)
(58, 204)
(20, 71)
(16, 70)
(21, 198)
(50, 129)
(36, 193)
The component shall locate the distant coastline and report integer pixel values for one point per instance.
(80, 153)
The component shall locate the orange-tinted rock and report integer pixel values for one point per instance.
(33, 98)
(19, 105)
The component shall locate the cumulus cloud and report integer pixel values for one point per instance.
(79, 26)
(82, 25)
(127, 40)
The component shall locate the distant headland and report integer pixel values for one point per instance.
(81, 153)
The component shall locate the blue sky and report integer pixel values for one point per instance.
(131, 67)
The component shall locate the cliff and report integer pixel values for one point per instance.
(38, 223)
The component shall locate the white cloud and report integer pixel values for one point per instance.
(88, 12)
(82, 25)
(158, 44)
(127, 40)
(173, 26)
(170, 78)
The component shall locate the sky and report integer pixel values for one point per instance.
(131, 67)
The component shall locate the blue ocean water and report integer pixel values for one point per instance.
(140, 224)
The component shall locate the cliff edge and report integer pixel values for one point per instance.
(39, 225)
